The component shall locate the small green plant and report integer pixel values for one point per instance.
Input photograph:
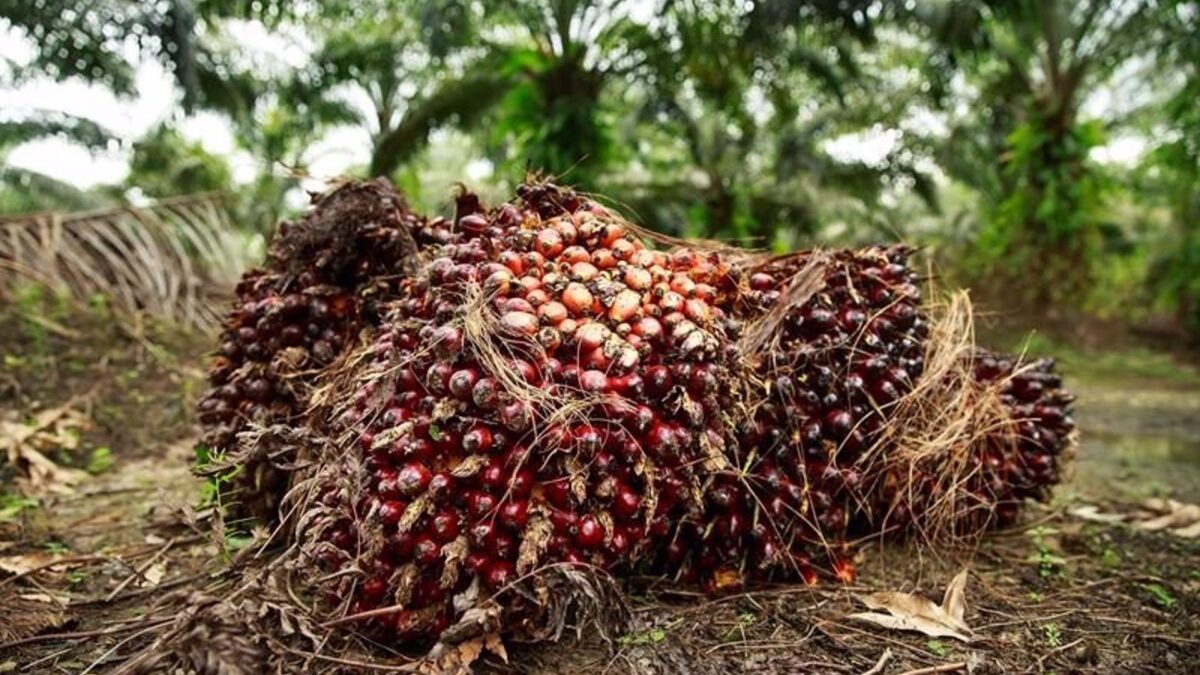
(212, 488)
(29, 300)
(56, 548)
(1110, 558)
(1049, 564)
(1036, 596)
(652, 636)
(236, 541)
(101, 460)
(12, 506)
(76, 577)
(1162, 596)
(98, 302)
(938, 647)
(1053, 634)
(744, 621)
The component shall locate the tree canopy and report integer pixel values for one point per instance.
(971, 126)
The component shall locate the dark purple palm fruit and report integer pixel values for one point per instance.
(547, 389)
(1013, 450)
(820, 459)
(835, 338)
(317, 289)
(1027, 459)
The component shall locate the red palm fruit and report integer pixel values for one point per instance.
(626, 502)
(590, 532)
(479, 439)
(514, 514)
(499, 574)
(462, 383)
(392, 511)
(644, 349)
(412, 479)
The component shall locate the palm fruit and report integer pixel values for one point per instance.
(1026, 460)
(297, 315)
(825, 460)
(546, 390)
(538, 386)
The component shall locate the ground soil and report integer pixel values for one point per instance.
(1056, 594)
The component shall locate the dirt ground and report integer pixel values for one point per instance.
(1060, 593)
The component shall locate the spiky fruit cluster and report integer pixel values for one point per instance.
(539, 386)
(297, 314)
(558, 392)
(834, 340)
(1030, 461)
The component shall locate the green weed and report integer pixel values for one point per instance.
(1162, 596)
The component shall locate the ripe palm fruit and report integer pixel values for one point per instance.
(539, 386)
(547, 389)
(836, 338)
(320, 282)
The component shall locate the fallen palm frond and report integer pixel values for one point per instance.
(176, 259)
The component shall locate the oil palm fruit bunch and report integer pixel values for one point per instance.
(542, 383)
(296, 315)
(546, 390)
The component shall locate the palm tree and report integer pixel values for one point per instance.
(1024, 146)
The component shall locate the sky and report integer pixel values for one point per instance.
(157, 100)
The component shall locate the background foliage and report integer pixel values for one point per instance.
(987, 120)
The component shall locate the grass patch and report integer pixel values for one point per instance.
(1109, 364)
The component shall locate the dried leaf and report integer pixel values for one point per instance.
(454, 553)
(24, 446)
(495, 645)
(23, 564)
(533, 543)
(1180, 519)
(727, 578)
(154, 575)
(469, 466)
(460, 658)
(907, 611)
(413, 513)
(1094, 514)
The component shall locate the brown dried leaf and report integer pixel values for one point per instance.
(469, 466)
(413, 513)
(495, 645)
(23, 444)
(23, 564)
(1179, 518)
(1092, 513)
(907, 611)
(454, 552)
(154, 575)
(533, 543)
(404, 578)
(387, 437)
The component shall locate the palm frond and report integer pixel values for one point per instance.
(176, 260)
(461, 101)
(42, 123)
(28, 190)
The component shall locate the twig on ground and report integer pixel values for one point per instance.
(1057, 650)
(141, 570)
(944, 668)
(79, 635)
(878, 667)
